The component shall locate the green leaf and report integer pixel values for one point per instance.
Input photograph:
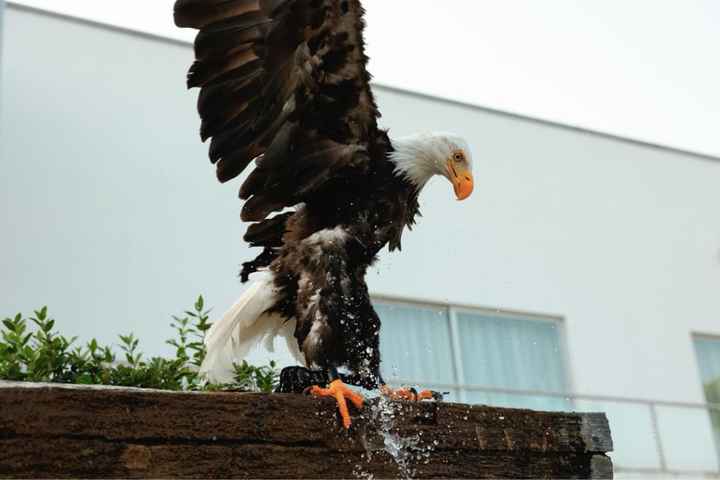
(43, 354)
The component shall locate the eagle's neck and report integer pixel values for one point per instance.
(418, 158)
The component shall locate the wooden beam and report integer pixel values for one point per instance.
(72, 431)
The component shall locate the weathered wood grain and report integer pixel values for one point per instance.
(60, 431)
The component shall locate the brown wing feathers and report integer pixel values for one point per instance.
(283, 82)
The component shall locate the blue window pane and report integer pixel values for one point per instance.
(511, 353)
(415, 343)
(708, 353)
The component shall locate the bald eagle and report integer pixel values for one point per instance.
(283, 85)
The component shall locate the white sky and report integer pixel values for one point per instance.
(645, 69)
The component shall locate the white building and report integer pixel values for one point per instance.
(584, 273)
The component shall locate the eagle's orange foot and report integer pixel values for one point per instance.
(341, 392)
(409, 394)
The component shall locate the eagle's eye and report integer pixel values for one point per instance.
(459, 157)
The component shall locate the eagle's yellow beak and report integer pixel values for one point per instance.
(461, 178)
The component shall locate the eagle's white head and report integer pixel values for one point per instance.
(418, 157)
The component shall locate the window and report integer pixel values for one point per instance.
(479, 357)
(708, 355)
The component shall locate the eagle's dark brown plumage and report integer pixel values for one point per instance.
(284, 83)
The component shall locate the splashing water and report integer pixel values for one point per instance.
(406, 452)
(360, 473)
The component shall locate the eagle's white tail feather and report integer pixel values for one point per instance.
(287, 331)
(231, 338)
(275, 324)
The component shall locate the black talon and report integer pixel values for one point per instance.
(438, 396)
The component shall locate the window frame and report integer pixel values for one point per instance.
(451, 311)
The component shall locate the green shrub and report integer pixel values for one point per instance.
(31, 350)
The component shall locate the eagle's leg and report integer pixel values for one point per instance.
(341, 392)
(409, 394)
(298, 379)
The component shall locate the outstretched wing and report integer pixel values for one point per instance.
(283, 82)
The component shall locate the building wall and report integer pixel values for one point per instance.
(110, 214)
(2, 14)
